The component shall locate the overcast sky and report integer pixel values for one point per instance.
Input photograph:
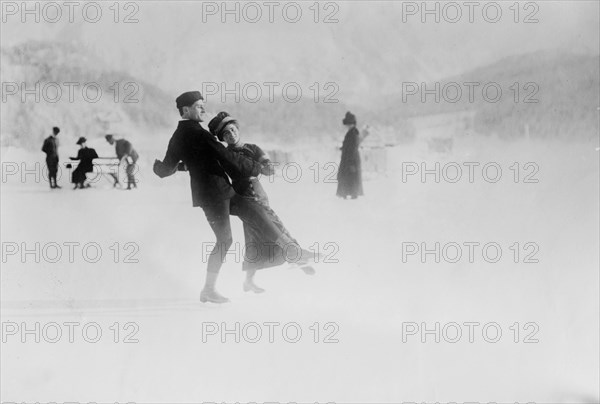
(175, 42)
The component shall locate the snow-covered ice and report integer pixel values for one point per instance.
(367, 295)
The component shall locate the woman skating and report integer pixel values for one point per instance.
(259, 254)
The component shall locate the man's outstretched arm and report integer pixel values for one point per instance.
(169, 164)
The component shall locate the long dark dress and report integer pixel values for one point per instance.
(349, 173)
(259, 254)
(86, 157)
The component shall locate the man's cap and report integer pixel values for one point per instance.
(81, 140)
(108, 137)
(187, 99)
(56, 130)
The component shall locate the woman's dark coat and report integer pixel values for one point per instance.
(258, 253)
(349, 173)
(86, 158)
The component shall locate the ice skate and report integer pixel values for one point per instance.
(250, 286)
(212, 296)
(308, 270)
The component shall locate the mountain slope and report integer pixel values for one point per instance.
(60, 84)
(558, 95)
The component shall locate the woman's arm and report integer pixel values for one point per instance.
(363, 134)
(262, 157)
(78, 155)
(233, 162)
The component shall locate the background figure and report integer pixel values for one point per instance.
(50, 147)
(86, 157)
(349, 173)
(125, 152)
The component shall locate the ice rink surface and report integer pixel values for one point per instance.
(365, 303)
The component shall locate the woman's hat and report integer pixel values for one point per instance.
(349, 119)
(219, 122)
(81, 140)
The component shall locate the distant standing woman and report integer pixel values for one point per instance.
(349, 173)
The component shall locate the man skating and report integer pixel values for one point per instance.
(207, 161)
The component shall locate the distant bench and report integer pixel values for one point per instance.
(104, 167)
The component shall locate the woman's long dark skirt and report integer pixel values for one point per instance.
(259, 254)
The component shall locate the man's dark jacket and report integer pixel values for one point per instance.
(207, 161)
(50, 148)
(124, 148)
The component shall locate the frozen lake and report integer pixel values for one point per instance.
(137, 272)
